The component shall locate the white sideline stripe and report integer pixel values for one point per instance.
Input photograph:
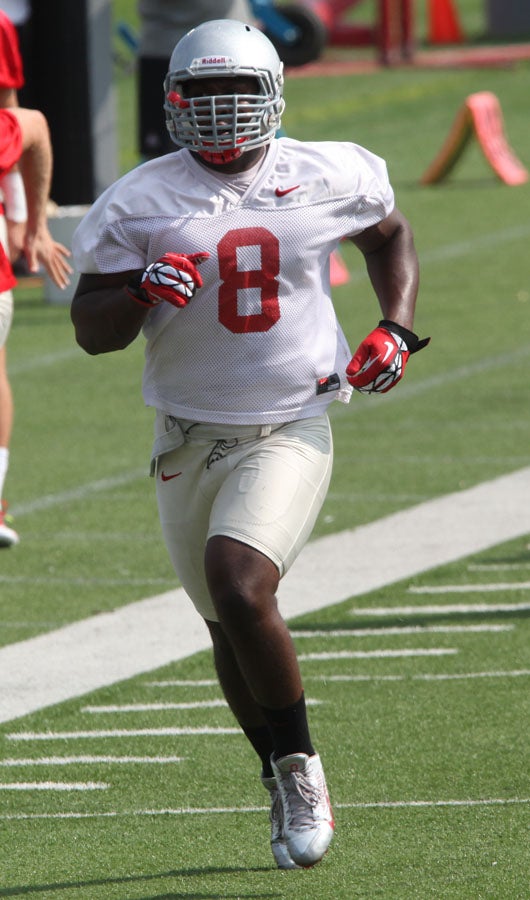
(55, 786)
(96, 652)
(376, 654)
(231, 810)
(399, 630)
(479, 588)
(90, 760)
(117, 733)
(452, 609)
(426, 677)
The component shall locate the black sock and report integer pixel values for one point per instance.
(261, 739)
(290, 730)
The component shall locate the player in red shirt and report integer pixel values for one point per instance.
(24, 139)
(13, 214)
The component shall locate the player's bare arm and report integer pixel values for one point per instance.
(108, 311)
(105, 316)
(392, 265)
(379, 361)
(36, 169)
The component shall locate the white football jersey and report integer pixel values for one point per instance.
(260, 342)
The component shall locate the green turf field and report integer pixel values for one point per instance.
(421, 717)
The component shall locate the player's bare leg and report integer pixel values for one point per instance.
(6, 402)
(237, 694)
(8, 537)
(243, 584)
(256, 660)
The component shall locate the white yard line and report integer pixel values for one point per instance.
(54, 786)
(398, 630)
(119, 733)
(452, 609)
(80, 492)
(184, 682)
(464, 676)
(497, 567)
(89, 760)
(231, 810)
(479, 588)
(375, 654)
(161, 707)
(151, 633)
(154, 707)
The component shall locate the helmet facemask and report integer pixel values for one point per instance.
(222, 126)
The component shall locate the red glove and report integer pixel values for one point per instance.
(174, 278)
(379, 362)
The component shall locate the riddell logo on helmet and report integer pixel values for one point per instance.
(213, 60)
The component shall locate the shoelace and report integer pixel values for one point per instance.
(302, 800)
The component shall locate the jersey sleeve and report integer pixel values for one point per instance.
(372, 194)
(350, 179)
(115, 234)
(102, 243)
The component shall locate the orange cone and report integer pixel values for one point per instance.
(444, 25)
(338, 271)
(481, 117)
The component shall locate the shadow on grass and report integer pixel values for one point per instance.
(27, 890)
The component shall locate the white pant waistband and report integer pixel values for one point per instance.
(212, 431)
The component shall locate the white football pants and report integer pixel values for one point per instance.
(264, 490)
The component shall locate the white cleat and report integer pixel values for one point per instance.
(278, 845)
(308, 817)
(8, 536)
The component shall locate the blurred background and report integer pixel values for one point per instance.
(95, 67)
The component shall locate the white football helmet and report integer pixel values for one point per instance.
(220, 128)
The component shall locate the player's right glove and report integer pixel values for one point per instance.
(174, 278)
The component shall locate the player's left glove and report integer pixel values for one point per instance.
(379, 362)
(174, 278)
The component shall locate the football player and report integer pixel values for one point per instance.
(24, 140)
(220, 253)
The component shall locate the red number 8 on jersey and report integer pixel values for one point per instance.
(235, 279)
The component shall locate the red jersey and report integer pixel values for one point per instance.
(11, 71)
(10, 152)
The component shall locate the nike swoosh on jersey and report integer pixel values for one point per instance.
(169, 477)
(281, 192)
